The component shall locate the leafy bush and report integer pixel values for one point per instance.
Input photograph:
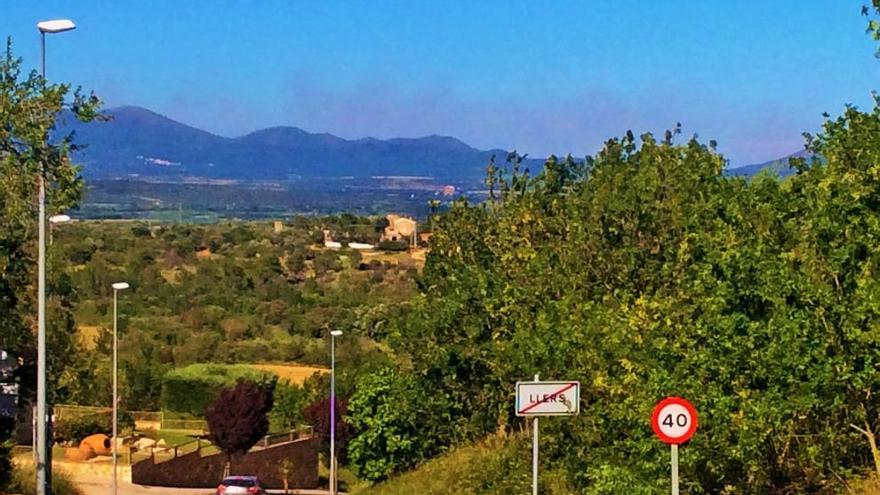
(289, 402)
(75, 428)
(396, 425)
(388, 245)
(193, 388)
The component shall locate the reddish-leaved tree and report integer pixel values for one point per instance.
(239, 417)
(317, 414)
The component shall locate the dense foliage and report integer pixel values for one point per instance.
(193, 388)
(389, 412)
(646, 272)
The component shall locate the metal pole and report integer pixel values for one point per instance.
(115, 400)
(332, 415)
(674, 469)
(42, 482)
(34, 433)
(535, 452)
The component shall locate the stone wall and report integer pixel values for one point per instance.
(196, 471)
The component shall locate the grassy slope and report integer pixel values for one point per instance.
(293, 373)
(497, 465)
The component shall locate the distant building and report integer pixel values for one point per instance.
(400, 228)
(277, 227)
(448, 190)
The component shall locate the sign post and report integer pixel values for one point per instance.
(674, 421)
(535, 450)
(537, 398)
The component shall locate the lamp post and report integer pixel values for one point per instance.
(333, 335)
(44, 454)
(118, 286)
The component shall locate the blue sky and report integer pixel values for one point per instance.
(540, 77)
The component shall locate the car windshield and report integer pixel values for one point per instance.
(245, 482)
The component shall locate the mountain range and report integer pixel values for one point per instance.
(139, 143)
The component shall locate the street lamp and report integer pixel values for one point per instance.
(44, 454)
(333, 335)
(118, 286)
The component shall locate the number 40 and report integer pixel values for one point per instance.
(681, 420)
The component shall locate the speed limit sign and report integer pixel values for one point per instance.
(674, 420)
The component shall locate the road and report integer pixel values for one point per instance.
(96, 479)
(99, 485)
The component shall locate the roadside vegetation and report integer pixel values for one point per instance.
(498, 464)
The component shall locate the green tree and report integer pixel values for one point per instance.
(30, 147)
(396, 425)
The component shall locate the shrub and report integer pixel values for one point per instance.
(193, 388)
(287, 411)
(396, 425)
(75, 428)
(393, 245)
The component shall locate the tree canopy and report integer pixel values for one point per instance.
(644, 272)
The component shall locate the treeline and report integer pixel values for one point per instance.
(646, 272)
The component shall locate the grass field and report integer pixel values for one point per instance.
(293, 373)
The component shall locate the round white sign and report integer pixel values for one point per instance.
(674, 420)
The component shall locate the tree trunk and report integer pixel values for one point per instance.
(872, 443)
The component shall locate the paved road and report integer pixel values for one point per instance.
(96, 479)
(99, 485)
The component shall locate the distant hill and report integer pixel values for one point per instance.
(780, 166)
(139, 142)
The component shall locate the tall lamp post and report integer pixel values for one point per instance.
(118, 286)
(44, 459)
(333, 335)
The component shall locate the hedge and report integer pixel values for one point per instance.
(191, 389)
(74, 429)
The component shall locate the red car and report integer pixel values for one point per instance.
(240, 485)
